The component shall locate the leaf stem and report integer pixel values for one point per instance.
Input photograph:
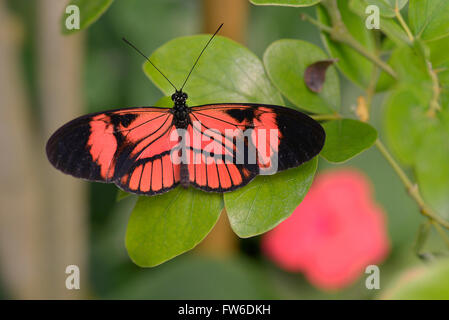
(403, 23)
(434, 104)
(315, 22)
(411, 187)
(371, 90)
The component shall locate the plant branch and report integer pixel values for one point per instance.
(315, 22)
(371, 90)
(411, 187)
(434, 104)
(340, 33)
(403, 23)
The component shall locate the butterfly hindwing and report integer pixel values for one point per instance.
(129, 147)
(212, 165)
(278, 137)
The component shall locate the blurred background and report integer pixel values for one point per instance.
(49, 220)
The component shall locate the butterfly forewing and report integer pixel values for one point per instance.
(129, 147)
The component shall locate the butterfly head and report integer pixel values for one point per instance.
(179, 98)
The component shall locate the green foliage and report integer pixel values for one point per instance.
(268, 200)
(386, 7)
(121, 195)
(346, 138)
(90, 11)
(416, 127)
(432, 169)
(289, 77)
(289, 3)
(227, 72)
(430, 282)
(197, 277)
(411, 66)
(406, 122)
(416, 112)
(352, 64)
(164, 226)
(389, 26)
(429, 19)
(439, 51)
(393, 31)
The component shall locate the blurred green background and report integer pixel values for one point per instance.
(112, 77)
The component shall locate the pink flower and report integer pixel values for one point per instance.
(333, 234)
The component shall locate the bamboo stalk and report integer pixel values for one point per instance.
(60, 65)
(21, 217)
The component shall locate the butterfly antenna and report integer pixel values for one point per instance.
(221, 25)
(135, 48)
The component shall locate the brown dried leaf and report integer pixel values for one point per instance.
(315, 74)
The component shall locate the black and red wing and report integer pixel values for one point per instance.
(128, 147)
(132, 147)
(296, 139)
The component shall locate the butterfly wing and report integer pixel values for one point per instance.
(133, 147)
(128, 147)
(276, 137)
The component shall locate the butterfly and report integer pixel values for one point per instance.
(214, 147)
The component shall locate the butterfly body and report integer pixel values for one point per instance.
(180, 110)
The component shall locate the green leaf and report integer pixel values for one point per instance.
(388, 26)
(268, 200)
(411, 67)
(164, 226)
(286, 62)
(429, 19)
(167, 102)
(406, 122)
(288, 3)
(439, 51)
(386, 7)
(432, 168)
(227, 71)
(443, 77)
(121, 195)
(351, 63)
(430, 282)
(346, 138)
(90, 11)
(164, 102)
(394, 31)
(385, 82)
